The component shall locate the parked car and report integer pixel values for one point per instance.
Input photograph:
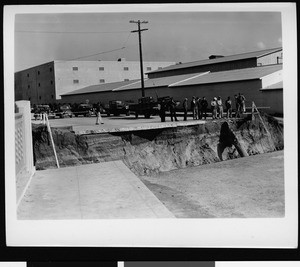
(43, 109)
(117, 107)
(84, 109)
(146, 106)
(64, 111)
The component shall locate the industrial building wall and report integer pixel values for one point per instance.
(272, 78)
(129, 96)
(274, 58)
(93, 98)
(74, 75)
(274, 100)
(36, 84)
(231, 65)
(250, 89)
(18, 87)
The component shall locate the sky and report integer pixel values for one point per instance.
(171, 36)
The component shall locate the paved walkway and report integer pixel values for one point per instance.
(86, 125)
(95, 191)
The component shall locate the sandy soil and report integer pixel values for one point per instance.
(251, 187)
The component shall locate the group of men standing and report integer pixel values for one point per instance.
(199, 107)
(218, 109)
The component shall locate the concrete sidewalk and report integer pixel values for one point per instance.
(105, 190)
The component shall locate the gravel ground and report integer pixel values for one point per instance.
(250, 187)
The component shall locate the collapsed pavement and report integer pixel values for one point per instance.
(158, 150)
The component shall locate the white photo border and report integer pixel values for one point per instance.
(212, 233)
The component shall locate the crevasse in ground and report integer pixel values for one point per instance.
(152, 151)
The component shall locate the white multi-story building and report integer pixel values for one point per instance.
(45, 83)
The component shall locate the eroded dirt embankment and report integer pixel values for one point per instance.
(157, 150)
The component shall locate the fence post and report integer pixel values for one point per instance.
(51, 138)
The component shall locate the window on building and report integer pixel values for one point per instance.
(75, 68)
(29, 98)
(75, 81)
(148, 68)
(50, 69)
(39, 84)
(52, 96)
(27, 74)
(39, 72)
(101, 68)
(40, 97)
(51, 82)
(126, 80)
(28, 86)
(102, 81)
(126, 68)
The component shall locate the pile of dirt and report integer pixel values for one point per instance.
(157, 150)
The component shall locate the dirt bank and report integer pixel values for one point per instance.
(151, 151)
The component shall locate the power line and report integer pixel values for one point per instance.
(125, 43)
(117, 49)
(95, 54)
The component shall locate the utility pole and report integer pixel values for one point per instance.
(140, 46)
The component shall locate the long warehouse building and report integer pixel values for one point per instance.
(257, 75)
(43, 84)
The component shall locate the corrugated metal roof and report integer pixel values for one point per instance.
(274, 86)
(231, 75)
(255, 54)
(158, 82)
(183, 80)
(100, 87)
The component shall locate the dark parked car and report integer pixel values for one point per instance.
(64, 111)
(117, 107)
(84, 109)
(41, 109)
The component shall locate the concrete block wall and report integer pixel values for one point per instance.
(23, 147)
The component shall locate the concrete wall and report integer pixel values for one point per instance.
(36, 84)
(273, 58)
(96, 72)
(23, 147)
(45, 83)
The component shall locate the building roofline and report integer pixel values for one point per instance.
(214, 61)
(48, 62)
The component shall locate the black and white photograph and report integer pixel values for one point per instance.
(123, 118)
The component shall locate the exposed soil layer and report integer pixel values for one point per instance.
(152, 151)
